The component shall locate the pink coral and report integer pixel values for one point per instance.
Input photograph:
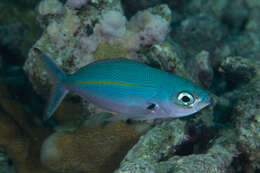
(90, 43)
(131, 41)
(154, 31)
(150, 28)
(86, 46)
(112, 24)
(55, 35)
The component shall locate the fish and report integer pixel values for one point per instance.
(126, 87)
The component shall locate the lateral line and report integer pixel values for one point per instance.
(109, 82)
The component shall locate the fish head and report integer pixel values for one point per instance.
(186, 101)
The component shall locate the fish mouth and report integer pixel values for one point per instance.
(203, 103)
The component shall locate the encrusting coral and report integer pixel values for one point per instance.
(90, 149)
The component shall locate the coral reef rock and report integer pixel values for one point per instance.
(154, 146)
(201, 69)
(237, 70)
(152, 152)
(216, 160)
(247, 123)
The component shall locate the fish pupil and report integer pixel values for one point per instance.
(185, 99)
(151, 106)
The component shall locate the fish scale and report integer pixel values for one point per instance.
(121, 69)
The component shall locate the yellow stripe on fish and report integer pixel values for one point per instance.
(110, 82)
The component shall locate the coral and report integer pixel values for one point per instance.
(50, 7)
(60, 34)
(111, 25)
(245, 114)
(219, 54)
(89, 44)
(236, 14)
(55, 35)
(151, 28)
(232, 14)
(253, 24)
(154, 32)
(162, 10)
(247, 125)
(237, 70)
(131, 41)
(216, 160)
(169, 56)
(70, 113)
(152, 152)
(76, 4)
(210, 8)
(154, 146)
(20, 139)
(90, 148)
(201, 69)
(198, 33)
(106, 50)
(245, 45)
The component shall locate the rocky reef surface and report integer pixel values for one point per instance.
(215, 44)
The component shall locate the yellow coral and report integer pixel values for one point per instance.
(106, 50)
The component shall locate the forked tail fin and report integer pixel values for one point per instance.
(59, 89)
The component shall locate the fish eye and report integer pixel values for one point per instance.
(185, 98)
(151, 106)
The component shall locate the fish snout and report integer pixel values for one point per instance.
(207, 100)
(204, 102)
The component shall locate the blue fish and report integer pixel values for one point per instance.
(132, 89)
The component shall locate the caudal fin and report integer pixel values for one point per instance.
(59, 90)
(57, 95)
